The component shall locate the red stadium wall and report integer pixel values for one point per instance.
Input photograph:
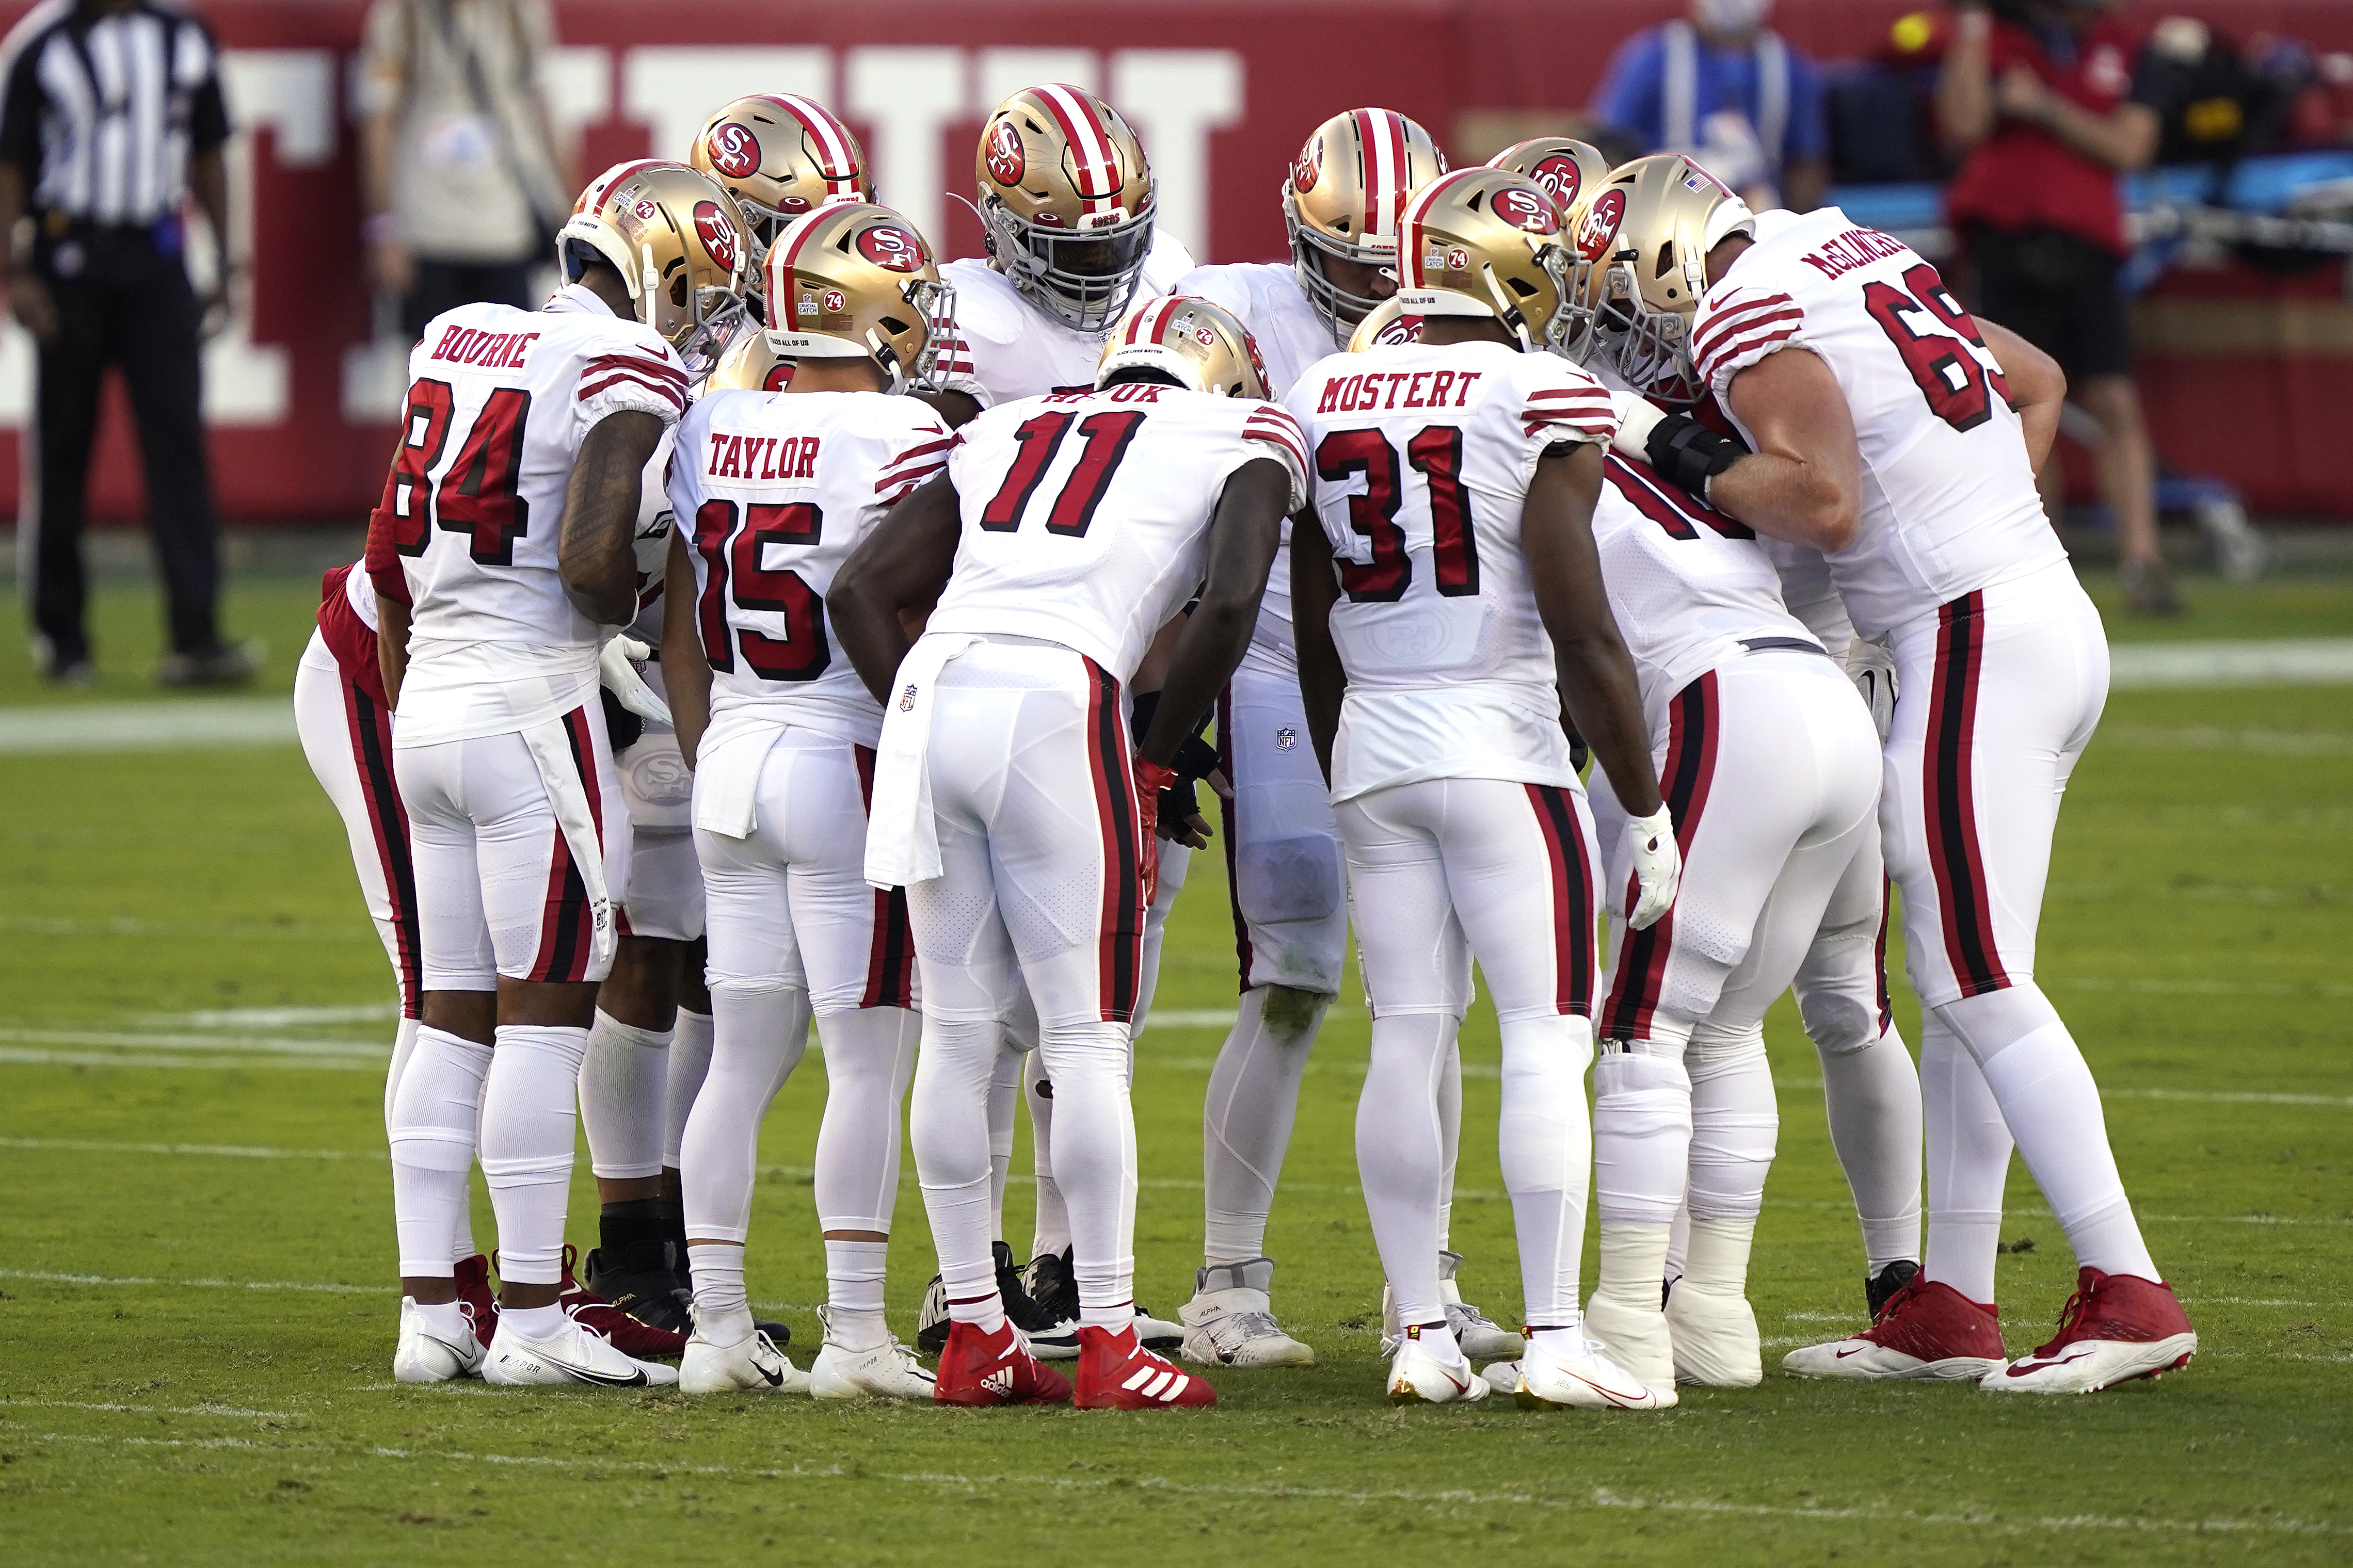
(1222, 91)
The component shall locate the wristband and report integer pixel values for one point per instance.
(1687, 453)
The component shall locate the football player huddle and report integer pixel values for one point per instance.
(780, 628)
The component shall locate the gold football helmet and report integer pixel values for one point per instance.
(1388, 326)
(1486, 242)
(1567, 167)
(750, 366)
(1342, 198)
(854, 280)
(1203, 345)
(1067, 202)
(781, 156)
(1641, 242)
(677, 240)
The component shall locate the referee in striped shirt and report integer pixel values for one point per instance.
(110, 118)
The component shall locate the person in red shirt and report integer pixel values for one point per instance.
(2040, 96)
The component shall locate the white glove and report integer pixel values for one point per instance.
(1637, 417)
(617, 669)
(1872, 666)
(1658, 865)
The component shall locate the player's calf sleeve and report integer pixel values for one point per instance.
(2052, 1106)
(431, 1128)
(1401, 1154)
(1968, 1147)
(947, 1123)
(1051, 1232)
(1734, 1124)
(762, 1031)
(1717, 1260)
(870, 1055)
(529, 1124)
(1872, 1097)
(1246, 1115)
(404, 1041)
(1544, 1145)
(623, 1079)
(1094, 1163)
(690, 1060)
(1450, 1128)
(1642, 1137)
(1004, 1108)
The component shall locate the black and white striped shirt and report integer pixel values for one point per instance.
(102, 108)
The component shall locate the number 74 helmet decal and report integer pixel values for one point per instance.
(855, 280)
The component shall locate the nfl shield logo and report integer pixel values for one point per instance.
(907, 699)
(1286, 738)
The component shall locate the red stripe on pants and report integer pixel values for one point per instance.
(1120, 944)
(890, 956)
(1948, 798)
(1572, 898)
(1688, 776)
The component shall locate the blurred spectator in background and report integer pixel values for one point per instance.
(112, 117)
(1729, 91)
(463, 183)
(2040, 96)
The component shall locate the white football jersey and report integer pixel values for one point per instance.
(1423, 457)
(1689, 587)
(499, 403)
(774, 489)
(1948, 500)
(1086, 515)
(1811, 592)
(1004, 349)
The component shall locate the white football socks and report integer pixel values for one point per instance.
(689, 1059)
(1968, 1163)
(762, 1031)
(1871, 1097)
(1642, 1137)
(1402, 1155)
(722, 1315)
(624, 1077)
(1633, 1262)
(446, 1320)
(854, 1273)
(1051, 1230)
(1734, 1124)
(1545, 1144)
(404, 1041)
(1094, 1163)
(1718, 1262)
(1246, 1119)
(2052, 1106)
(870, 1055)
(432, 1131)
(529, 1125)
(947, 1123)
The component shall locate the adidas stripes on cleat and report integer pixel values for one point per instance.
(1117, 1373)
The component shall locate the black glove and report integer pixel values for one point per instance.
(623, 729)
(1687, 453)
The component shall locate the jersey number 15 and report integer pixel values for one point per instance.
(731, 556)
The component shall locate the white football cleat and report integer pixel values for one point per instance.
(1479, 1335)
(2115, 1328)
(889, 1370)
(1503, 1377)
(1230, 1321)
(1157, 1334)
(1715, 1336)
(1418, 1376)
(1635, 1337)
(573, 1355)
(752, 1363)
(1587, 1381)
(423, 1356)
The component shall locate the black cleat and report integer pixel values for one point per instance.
(641, 1281)
(1880, 1289)
(1023, 1313)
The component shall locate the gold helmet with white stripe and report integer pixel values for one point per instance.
(677, 240)
(1641, 242)
(1386, 327)
(1485, 242)
(781, 156)
(1067, 203)
(854, 280)
(1341, 201)
(1202, 345)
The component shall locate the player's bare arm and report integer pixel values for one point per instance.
(1314, 589)
(1804, 482)
(1597, 676)
(600, 516)
(901, 566)
(1244, 532)
(686, 666)
(2038, 387)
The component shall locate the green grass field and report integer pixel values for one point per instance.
(196, 1307)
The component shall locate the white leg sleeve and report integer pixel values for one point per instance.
(870, 1055)
(623, 1080)
(1052, 1232)
(1872, 1099)
(432, 1126)
(529, 1124)
(689, 1059)
(1402, 1155)
(1094, 1161)
(947, 1122)
(1450, 1128)
(1734, 1124)
(1004, 1107)
(1246, 1119)
(1545, 1147)
(1968, 1163)
(762, 1030)
(1642, 1138)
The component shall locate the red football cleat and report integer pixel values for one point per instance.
(2113, 1328)
(1117, 1373)
(474, 1293)
(1926, 1330)
(982, 1369)
(640, 1342)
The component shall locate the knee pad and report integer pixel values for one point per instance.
(1839, 1023)
(1285, 879)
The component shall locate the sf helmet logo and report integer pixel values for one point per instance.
(718, 232)
(735, 150)
(1559, 175)
(1005, 160)
(1526, 210)
(1310, 167)
(1600, 224)
(1403, 329)
(890, 248)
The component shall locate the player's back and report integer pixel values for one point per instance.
(1690, 587)
(774, 490)
(1948, 497)
(1265, 296)
(1086, 515)
(1423, 457)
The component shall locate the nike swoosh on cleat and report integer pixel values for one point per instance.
(1857, 1350)
(2020, 1368)
(1610, 1394)
(775, 1378)
(582, 1374)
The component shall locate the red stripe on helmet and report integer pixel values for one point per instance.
(1095, 163)
(835, 162)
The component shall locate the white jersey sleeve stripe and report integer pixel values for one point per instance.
(1748, 349)
(590, 390)
(1732, 318)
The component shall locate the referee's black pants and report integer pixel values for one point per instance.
(122, 302)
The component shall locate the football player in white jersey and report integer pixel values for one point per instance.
(1341, 198)
(1903, 443)
(1067, 531)
(500, 553)
(774, 490)
(1456, 478)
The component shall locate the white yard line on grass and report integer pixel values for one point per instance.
(1598, 1498)
(8, 1405)
(149, 726)
(276, 1044)
(271, 1017)
(53, 1278)
(2288, 661)
(220, 1151)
